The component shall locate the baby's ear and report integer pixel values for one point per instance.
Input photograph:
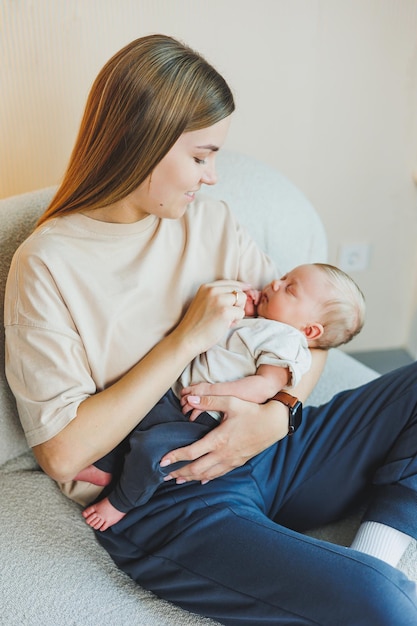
(313, 331)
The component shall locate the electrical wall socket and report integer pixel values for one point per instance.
(354, 257)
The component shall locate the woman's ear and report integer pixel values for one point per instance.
(313, 331)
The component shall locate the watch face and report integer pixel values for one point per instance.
(295, 418)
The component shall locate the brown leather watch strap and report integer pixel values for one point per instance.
(285, 398)
(295, 410)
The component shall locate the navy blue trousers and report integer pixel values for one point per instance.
(233, 550)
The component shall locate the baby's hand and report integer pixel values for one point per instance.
(252, 300)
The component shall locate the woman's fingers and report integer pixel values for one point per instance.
(206, 456)
(231, 292)
(246, 429)
(215, 308)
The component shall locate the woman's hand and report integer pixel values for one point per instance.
(246, 430)
(215, 307)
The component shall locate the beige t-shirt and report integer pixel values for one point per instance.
(85, 300)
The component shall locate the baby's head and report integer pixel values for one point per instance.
(320, 300)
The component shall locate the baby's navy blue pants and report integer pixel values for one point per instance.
(233, 549)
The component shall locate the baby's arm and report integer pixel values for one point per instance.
(268, 380)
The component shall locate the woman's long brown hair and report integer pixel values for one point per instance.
(144, 98)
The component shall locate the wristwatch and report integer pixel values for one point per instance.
(296, 410)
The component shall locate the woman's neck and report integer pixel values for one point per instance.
(123, 212)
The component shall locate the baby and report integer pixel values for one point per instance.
(312, 306)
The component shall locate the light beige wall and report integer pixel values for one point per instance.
(326, 92)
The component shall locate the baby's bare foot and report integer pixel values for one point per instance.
(102, 515)
(94, 475)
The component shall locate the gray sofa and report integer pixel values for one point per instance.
(53, 572)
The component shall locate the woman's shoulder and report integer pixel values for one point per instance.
(37, 242)
(52, 241)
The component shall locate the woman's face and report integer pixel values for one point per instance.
(189, 164)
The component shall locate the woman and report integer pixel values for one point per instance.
(88, 354)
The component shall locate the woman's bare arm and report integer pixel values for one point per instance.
(104, 419)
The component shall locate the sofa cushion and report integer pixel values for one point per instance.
(52, 569)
